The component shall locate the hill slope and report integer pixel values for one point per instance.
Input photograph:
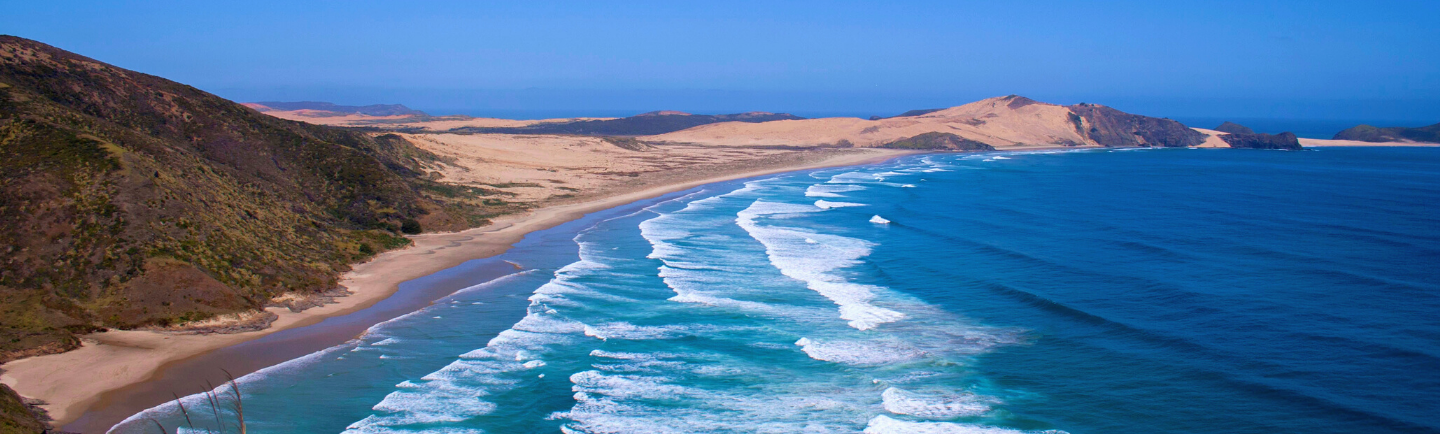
(1366, 133)
(131, 200)
(1003, 122)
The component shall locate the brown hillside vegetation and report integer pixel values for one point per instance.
(131, 200)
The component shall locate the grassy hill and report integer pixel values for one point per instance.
(131, 200)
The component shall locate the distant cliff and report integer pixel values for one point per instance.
(1366, 133)
(131, 200)
(1114, 128)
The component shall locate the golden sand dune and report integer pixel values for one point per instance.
(536, 168)
(1009, 122)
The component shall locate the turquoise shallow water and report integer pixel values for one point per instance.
(1084, 292)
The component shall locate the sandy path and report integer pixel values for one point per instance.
(71, 382)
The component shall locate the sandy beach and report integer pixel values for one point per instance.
(1325, 142)
(71, 382)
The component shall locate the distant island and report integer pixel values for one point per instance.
(1367, 133)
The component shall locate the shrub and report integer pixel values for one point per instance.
(410, 226)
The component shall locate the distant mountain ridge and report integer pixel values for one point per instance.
(1367, 133)
(656, 122)
(368, 110)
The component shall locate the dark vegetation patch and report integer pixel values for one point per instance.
(628, 143)
(1017, 101)
(1367, 133)
(938, 141)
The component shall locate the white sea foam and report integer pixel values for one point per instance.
(885, 425)
(831, 190)
(815, 263)
(949, 406)
(879, 220)
(859, 353)
(628, 331)
(825, 204)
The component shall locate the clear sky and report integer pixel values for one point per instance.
(1297, 59)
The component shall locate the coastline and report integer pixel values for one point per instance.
(1323, 143)
(72, 382)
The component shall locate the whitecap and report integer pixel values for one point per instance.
(859, 353)
(900, 401)
(885, 425)
(825, 204)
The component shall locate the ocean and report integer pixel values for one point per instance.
(1096, 291)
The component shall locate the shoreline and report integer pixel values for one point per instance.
(1331, 143)
(71, 383)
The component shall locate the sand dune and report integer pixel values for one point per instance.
(1003, 122)
(1214, 140)
(539, 167)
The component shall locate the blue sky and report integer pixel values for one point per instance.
(1296, 59)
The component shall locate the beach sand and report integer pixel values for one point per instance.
(1324, 142)
(73, 381)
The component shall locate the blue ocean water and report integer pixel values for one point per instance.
(1140, 291)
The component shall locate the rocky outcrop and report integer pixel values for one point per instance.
(1285, 140)
(1234, 128)
(1366, 133)
(1113, 128)
(938, 141)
